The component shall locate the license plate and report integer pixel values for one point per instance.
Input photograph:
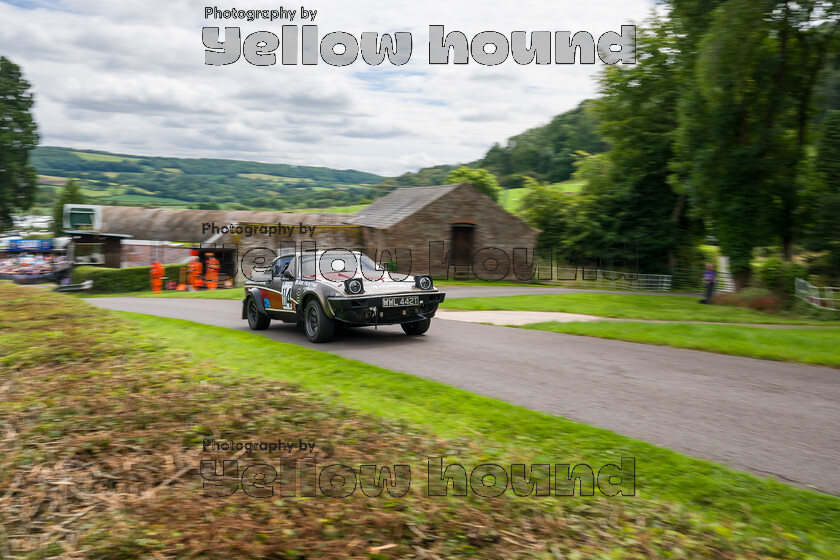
(400, 301)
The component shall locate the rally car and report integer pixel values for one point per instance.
(317, 290)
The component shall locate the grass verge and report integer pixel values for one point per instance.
(230, 293)
(630, 306)
(803, 345)
(104, 419)
(236, 293)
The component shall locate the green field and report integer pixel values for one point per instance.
(274, 178)
(570, 186)
(129, 199)
(511, 199)
(334, 209)
(630, 306)
(104, 157)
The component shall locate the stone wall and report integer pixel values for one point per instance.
(144, 254)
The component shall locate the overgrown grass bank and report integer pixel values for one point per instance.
(509, 434)
(104, 417)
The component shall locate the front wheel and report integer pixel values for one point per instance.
(256, 320)
(319, 327)
(417, 327)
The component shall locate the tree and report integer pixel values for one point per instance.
(551, 211)
(822, 231)
(481, 179)
(17, 137)
(629, 197)
(70, 194)
(738, 151)
(827, 162)
(747, 100)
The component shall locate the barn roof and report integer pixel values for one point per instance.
(399, 205)
(185, 225)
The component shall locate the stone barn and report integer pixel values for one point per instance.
(447, 230)
(453, 230)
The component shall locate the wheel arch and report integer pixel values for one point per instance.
(309, 296)
(253, 293)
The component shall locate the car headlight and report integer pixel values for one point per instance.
(424, 282)
(354, 286)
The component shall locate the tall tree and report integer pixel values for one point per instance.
(747, 100)
(630, 197)
(822, 232)
(17, 137)
(70, 194)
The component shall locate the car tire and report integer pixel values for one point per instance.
(417, 327)
(256, 320)
(319, 327)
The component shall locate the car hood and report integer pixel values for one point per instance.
(384, 287)
(381, 288)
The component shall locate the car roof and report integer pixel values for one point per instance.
(316, 253)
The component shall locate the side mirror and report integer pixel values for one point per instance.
(287, 274)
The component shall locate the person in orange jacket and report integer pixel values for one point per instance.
(157, 273)
(194, 274)
(212, 271)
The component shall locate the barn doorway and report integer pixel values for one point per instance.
(462, 247)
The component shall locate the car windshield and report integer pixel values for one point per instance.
(368, 265)
(336, 265)
(307, 266)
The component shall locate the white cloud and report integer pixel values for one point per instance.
(129, 76)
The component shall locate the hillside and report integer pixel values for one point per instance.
(546, 153)
(127, 180)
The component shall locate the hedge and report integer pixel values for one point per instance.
(780, 276)
(115, 280)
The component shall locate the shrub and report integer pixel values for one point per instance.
(770, 304)
(754, 298)
(114, 280)
(779, 276)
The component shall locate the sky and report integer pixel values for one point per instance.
(129, 76)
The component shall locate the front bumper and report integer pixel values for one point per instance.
(368, 310)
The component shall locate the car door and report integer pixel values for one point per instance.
(282, 281)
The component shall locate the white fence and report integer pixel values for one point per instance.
(683, 280)
(824, 298)
(605, 279)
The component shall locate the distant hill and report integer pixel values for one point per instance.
(129, 180)
(546, 153)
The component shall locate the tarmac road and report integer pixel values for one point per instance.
(755, 415)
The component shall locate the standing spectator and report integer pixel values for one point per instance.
(157, 273)
(709, 280)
